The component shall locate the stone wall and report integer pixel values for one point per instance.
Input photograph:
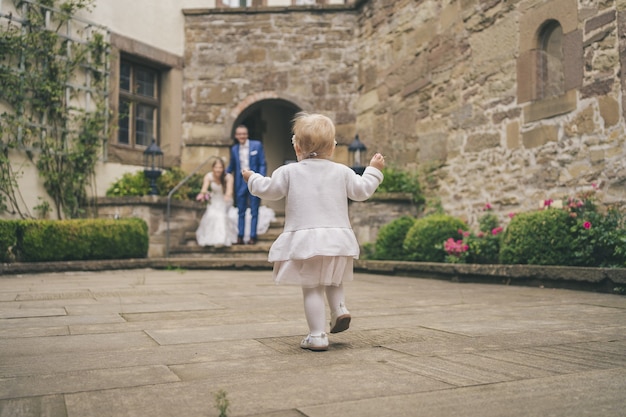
(236, 59)
(446, 88)
(440, 88)
(184, 216)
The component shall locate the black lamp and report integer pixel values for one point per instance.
(153, 165)
(357, 150)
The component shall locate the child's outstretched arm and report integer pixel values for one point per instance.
(246, 173)
(378, 161)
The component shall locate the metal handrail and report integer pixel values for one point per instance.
(169, 199)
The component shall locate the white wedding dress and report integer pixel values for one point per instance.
(218, 226)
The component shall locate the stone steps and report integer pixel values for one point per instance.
(189, 248)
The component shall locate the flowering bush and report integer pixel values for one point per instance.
(479, 248)
(598, 238)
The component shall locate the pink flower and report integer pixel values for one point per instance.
(594, 185)
(460, 231)
(547, 203)
(466, 234)
(511, 215)
(587, 225)
(496, 230)
(480, 234)
(487, 207)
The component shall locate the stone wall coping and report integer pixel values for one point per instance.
(579, 278)
(148, 200)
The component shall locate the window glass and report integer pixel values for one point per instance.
(138, 104)
(125, 76)
(145, 81)
(123, 128)
(144, 124)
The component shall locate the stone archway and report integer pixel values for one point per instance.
(269, 120)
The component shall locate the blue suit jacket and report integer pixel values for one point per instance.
(257, 164)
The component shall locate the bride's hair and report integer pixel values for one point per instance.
(222, 178)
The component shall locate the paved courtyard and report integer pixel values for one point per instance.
(163, 342)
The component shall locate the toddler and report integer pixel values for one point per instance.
(317, 247)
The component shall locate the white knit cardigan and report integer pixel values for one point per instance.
(316, 207)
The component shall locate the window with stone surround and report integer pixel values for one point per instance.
(146, 101)
(550, 61)
(550, 79)
(138, 104)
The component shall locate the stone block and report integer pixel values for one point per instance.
(527, 76)
(551, 107)
(512, 135)
(432, 147)
(609, 110)
(534, 14)
(481, 141)
(599, 21)
(539, 136)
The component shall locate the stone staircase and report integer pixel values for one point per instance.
(189, 248)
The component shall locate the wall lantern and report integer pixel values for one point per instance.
(357, 152)
(153, 165)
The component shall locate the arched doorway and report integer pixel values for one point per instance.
(270, 122)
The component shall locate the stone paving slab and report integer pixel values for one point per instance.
(161, 343)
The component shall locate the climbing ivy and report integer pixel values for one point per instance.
(53, 88)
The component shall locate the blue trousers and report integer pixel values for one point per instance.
(242, 202)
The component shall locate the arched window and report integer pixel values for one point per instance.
(551, 79)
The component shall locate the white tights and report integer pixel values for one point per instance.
(315, 308)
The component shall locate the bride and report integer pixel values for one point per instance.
(218, 226)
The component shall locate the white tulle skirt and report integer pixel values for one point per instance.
(312, 272)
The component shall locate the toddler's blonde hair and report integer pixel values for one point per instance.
(314, 134)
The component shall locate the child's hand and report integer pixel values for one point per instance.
(378, 161)
(246, 173)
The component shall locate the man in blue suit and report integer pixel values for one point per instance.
(246, 154)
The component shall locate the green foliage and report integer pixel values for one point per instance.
(8, 239)
(131, 184)
(80, 239)
(424, 240)
(44, 78)
(477, 248)
(136, 184)
(598, 239)
(389, 242)
(222, 403)
(399, 181)
(538, 238)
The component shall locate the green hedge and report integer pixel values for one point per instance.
(8, 239)
(390, 239)
(538, 238)
(424, 240)
(72, 240)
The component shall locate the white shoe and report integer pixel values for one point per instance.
(340, 319)
(316, 343)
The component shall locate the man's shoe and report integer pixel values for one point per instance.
(239, 241)
(340, 319)
(315, 343)
(252, 241)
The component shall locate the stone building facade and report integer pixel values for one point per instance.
(509, 102)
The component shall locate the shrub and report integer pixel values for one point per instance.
(424, 240)
(484, 247)
(399, 181)
(136, 184)
(539, 238)
(598, 239)
(390, 239)
(66, 240)
(8, 239)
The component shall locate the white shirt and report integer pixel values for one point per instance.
(244, 155)
(316, 207)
